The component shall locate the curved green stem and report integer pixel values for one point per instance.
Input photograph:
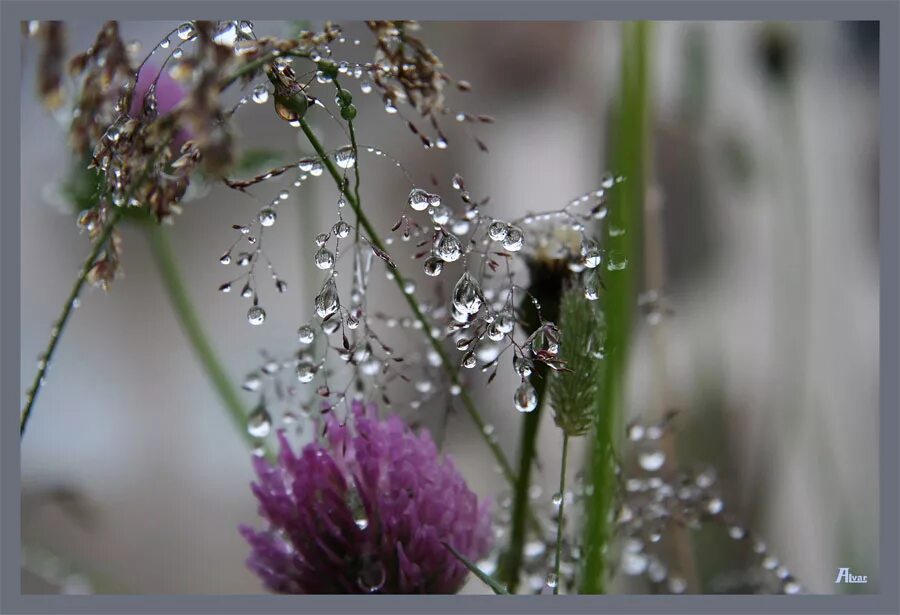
(190, 324)
(63, 319)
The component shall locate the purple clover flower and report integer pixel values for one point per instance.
(365, 512)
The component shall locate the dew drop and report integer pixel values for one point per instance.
(340, 229)
(714, 506)
(225, 259)
(448, 248)
(306, 371)
(552, 580)
(525, 397)
(225, 288)
(345, 157)
(651, 461)
(617, 261)
(634, 563)
(467, 295)
(260, 94)
(514, 239)
(267, 216)
(306, 335)
(327, 302)
(418, 199)
(252, 382)
(256, 315)
(259, 423)
(433, 266)
(324, 258)
(497, 230)
(185, 31)
(607, 181)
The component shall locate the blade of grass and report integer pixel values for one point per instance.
(486, 578)
(631, 150)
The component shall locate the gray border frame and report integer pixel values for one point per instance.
(887, 12)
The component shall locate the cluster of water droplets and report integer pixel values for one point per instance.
(656, 499)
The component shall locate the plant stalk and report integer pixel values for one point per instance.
(562, 504)
(630, 157)
(62, 321)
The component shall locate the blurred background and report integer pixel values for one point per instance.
(764, 182)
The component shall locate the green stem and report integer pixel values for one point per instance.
(63, 319)
(562, 505)
(545, 286)
(373, 238)
(190, 324)
(631, 154)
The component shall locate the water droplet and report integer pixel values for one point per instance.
(634, 563)
(494, 333)
(792, 587)
(345, 157)
(677, 585)
(715, 506)
(433, 266)
(497, 230)
(260, 94)
(617, 261)
(467, 295)
(514, 239)
(607, 181)
(591, 288)
(469, 360)
(440, 215)
(306, 371)
(591, 254)
(448, 248)
(327, 301)
(651, 461)
(418, 199)
(552, 580)
(324, 258)
(636, 432)
(522, 366)
(244, 259)
(267, 216)
(306, 335)
(225, 259)
(227, 35)
(372, 575)
(340, 229)
(225, 288)
(185, 31)
(736, 532)
(259, 423)
(165, 43)
(256, 315)
(252, 382)
(525, 397)
(557, 499)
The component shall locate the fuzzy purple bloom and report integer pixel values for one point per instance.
(366, 512)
